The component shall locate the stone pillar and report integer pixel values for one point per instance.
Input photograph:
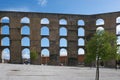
(0, 43)
(35, 38)
(54, 41)
(110, 24)
(0, 55)
(15, 40)
(90, 27)
(72, 42)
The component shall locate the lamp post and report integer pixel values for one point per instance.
(99, 32)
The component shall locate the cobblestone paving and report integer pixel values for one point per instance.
(40, 72)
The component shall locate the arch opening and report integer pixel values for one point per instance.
(45, 53)
(44, 31)
(26, 56)
(25, 20)
(99, 22)
(44, 21)
(25, 41)
(5, 30)
(63, 31)
(45, 42)
(63, 22)
(118, 51)
(63, 52)
(118, 20)
(81, 23)
(26, 53)
(118, 29)
(81, 51)
(45, 56)
(118, 40)
(63, 42)
(5, 55)
(5, 20)
(5, 41)
(81, 32)
(25, 30)
(81, 42)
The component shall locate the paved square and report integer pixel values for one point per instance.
(38, 72)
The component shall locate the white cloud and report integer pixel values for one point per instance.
(42, 2)
(18, 9)
(81, 51)
(100, 22)
(26, 56)
(25, 20)
(63, 52)
(44, 21)
(6, 55)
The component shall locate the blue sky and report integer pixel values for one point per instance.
(62, 6)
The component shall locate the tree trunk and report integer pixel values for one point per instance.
(97, 69)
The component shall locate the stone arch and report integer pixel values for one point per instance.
(81, 42)
(63, 52)
(44, 21)
(5, 55)
(118, 29)
(45, 42)
(5, 41)
(118, 49)
(118, 40)
(118, 20)
(25, 41)
(63, 42)
(5, 20)
(99, 22)
(63, 31)
(81, 23)
(25, 20)
(5, 30)
(72, 28)
(44, 30)
(99, 30)
(81, 32)
(26, 53)
(81, 51)
(45, 53)
(25, 30)
(63, 22)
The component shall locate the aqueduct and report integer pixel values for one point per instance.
(51, 32)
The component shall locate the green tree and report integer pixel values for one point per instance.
(33, 56)
(101, 46)
(118, 53)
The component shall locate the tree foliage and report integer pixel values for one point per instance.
(103, 46)
(118, 54)
(33, 55)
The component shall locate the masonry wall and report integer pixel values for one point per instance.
(35, 26)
